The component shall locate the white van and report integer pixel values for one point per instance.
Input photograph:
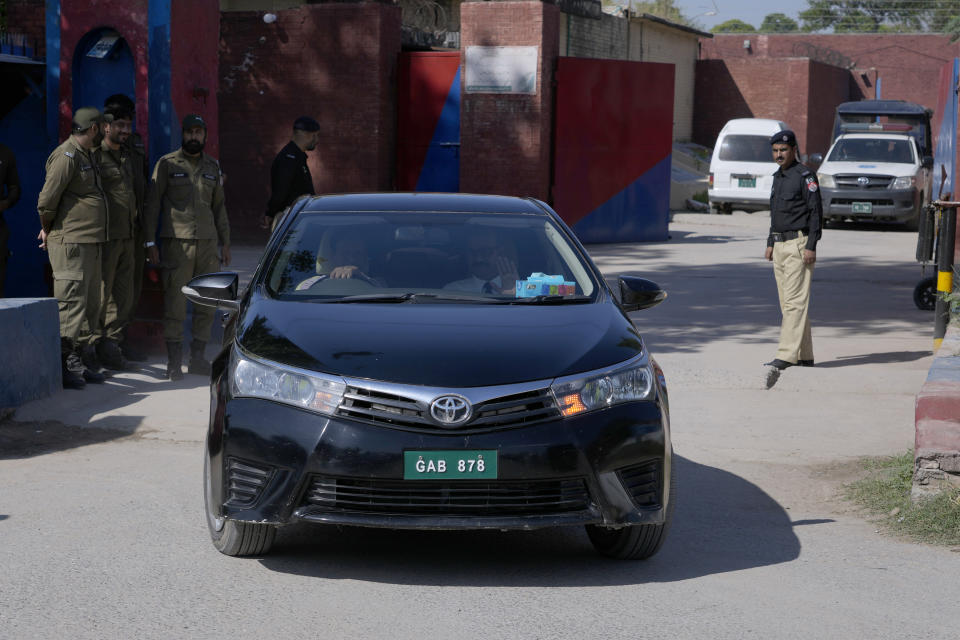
(742, 166)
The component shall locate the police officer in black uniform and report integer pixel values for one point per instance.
(289, 175)
(796, 220)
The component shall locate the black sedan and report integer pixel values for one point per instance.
(434, 361)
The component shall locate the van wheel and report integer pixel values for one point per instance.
(925, 294)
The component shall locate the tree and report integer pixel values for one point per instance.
(665, 9)
(734, 26)
(858, 16)
(778, 23)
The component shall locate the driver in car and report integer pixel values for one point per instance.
(350, 259)
(491, 271)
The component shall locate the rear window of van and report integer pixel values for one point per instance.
(746, 148)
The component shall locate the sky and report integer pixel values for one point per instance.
(750, 11)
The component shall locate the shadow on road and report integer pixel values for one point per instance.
(723, 523)
(874, 358)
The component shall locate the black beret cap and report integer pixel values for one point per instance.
(784, 137)
(193, 120)
(306, 123)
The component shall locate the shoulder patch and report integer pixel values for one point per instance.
(209, 176)
(69, 154)
(811, 184)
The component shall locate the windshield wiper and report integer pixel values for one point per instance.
(410, 297)
(555, 299)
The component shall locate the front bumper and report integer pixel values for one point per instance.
(892, 205)
(745, 199)
(277, 464)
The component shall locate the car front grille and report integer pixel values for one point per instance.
(876, 182)
(382, 408)
(416, 498)
(643, 483)
(245, 482)
(873, 201)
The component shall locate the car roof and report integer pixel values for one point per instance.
(870, 107)
(875, 136)
(423, 202)
(753, 125)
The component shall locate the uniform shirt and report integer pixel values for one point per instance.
(186, 198)
(795, 203)
(9, 180)
(289, 179)
(71, 203)
(117, 176)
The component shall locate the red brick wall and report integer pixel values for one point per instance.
(334, 62)
(194, 27)
(28, 17)
(798, 91)
(908, 64)
(506, 139)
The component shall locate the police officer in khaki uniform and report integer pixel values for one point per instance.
(117, 172)
(137, 155)
(9, 195)
(73, 220)
(186, 196)
(796, 220)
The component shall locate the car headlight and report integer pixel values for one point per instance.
(258, 379)
(826, 180)
(904, 182)
(601, 389)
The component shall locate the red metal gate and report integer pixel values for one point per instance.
(612, 148)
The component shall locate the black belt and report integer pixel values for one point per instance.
(780, 236)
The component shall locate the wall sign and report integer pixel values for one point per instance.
(501, 70)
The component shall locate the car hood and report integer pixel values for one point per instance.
(867, 168)
(449, 345)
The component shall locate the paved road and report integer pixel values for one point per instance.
(102, 535)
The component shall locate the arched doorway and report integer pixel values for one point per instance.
(102, 66)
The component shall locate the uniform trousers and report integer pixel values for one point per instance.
(182, 260)
(118, 287)
(793, 287)
(78, 287)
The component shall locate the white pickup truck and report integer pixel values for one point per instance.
(875, 176)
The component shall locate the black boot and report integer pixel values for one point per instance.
(130, 352)
(198, 364)
(72, 366)
(174, 360)
(91, 365)
(108, 352)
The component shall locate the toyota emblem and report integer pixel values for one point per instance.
(863, 181)
(450, 411)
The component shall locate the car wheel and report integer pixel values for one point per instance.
(925, 294)
(234, 537)
(639, 541)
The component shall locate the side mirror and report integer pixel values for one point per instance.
(214, 290)
(928, 162)
(816, 158)
(639, 293)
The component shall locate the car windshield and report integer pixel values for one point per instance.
(872, 150)
(746, 148)
(428, 257)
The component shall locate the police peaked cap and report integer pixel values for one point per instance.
(784, 137)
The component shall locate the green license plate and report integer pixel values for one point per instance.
(475, 464)
(747, 182)
(863, 207)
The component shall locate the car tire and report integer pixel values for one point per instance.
(925, 294)
(913, 224)
(639, 541)
(234, 537)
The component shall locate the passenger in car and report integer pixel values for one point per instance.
(491, 270)
(349, 258)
